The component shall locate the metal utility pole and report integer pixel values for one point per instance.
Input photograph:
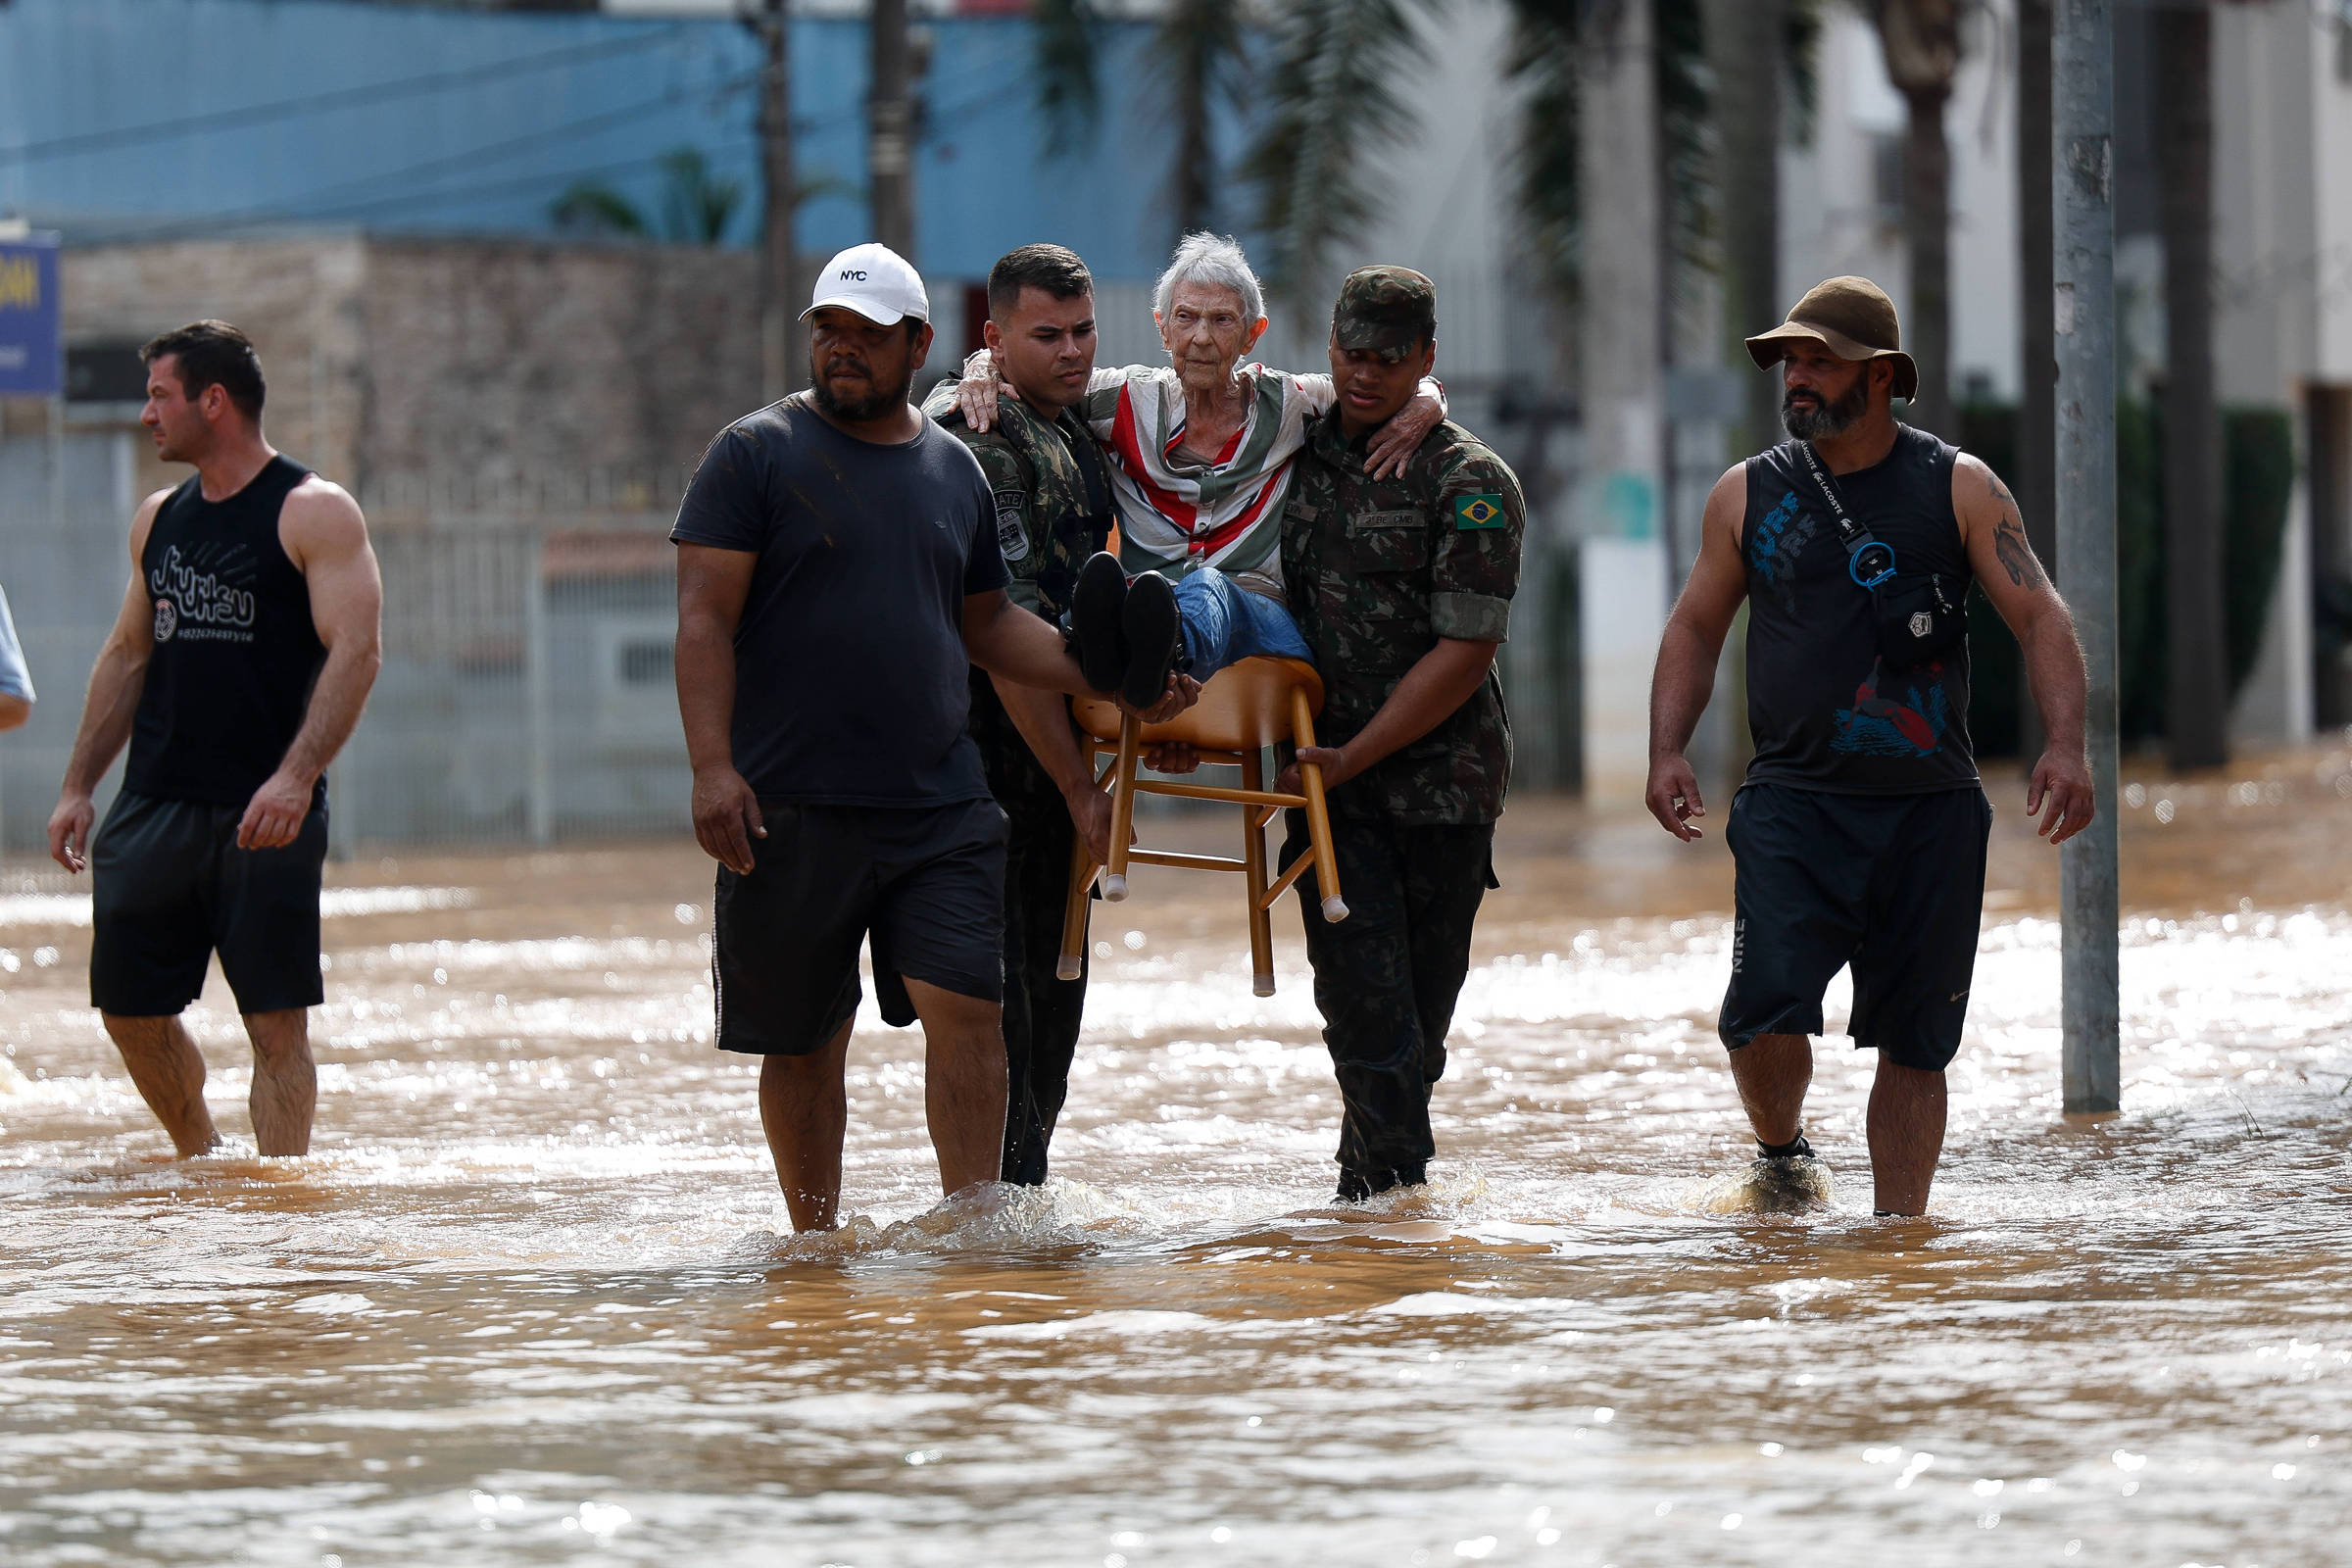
(2036, 478)
(781, 290)
(890, 130)
(2084, 172)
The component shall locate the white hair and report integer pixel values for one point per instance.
(1215, 259)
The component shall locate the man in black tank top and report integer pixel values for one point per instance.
(246, 646)
(1859, 835)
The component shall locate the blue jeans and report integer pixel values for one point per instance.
(1225, 623)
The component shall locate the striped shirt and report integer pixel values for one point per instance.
(1178, 514)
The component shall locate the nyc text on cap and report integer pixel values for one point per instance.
(873, 280)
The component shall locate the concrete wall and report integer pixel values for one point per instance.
(438, 374)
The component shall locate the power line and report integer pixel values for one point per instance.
(378, 92)
(305, 208)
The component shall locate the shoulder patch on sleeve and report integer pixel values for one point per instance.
(1012, 535)
(1479, 510)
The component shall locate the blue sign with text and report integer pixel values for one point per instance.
(31, 360)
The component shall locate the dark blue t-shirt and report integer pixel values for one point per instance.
(851, 681)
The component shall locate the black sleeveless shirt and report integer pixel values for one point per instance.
(236, 649)
(1825, 714)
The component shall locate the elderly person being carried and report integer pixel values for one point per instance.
(1201, 456)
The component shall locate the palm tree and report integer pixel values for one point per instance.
(696, 205)
(1920, 39)
(2197, 674)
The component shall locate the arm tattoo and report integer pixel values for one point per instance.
(2016, 556)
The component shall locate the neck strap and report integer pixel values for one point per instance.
(1868, 562)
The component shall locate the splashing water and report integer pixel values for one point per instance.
(534, 1299)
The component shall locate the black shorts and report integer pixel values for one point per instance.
(1892, 885)
(926, 882)
(170, 887)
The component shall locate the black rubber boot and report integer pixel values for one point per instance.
(1098, 604)
(1154, 634)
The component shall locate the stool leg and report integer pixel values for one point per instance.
(1073, 914)
(1254, 872)
(1318, 812)
(1122, 808)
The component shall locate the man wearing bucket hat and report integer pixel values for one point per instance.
(1859, 833)
(838, 565)
(1403, 588)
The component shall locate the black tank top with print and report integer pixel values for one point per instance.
(236, 649)
(1823, 709)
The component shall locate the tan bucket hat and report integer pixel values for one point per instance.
(1854, 319)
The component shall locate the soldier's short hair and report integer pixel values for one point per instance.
(212, 354)
(1056, 268)
(1213, 259)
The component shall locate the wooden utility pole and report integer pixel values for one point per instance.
(2084, 172)
(782, 292)
(890, 130)
(2197, 703)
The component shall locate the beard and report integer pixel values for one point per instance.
(882, 401)
(1829, 419)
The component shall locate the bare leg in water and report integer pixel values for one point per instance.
(1906, 1114)
(168, 1072)
(1773, 1073)
(805, 1112)
(1906, 1136)
(285, 1081)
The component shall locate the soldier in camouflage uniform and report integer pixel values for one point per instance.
(1053, 510)
(1402, 587)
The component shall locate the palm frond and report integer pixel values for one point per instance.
(1335, 111)
(1545, 39)
(696, 205)
(591, 207)
(1200, 48)
(1803, 46)
(1068, 90)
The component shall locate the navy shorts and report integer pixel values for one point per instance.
(170, 887)
(1892, 885)
(927, 884)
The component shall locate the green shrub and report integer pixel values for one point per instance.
(2258, 478)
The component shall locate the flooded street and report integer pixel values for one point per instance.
(534, 1301)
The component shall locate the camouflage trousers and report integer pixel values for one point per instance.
(1386, 980)
(1042, 1013)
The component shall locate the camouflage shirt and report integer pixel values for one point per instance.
(1053, 510)
(1378, 571)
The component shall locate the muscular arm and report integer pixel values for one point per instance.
(713, 584)
(1394, 443)
(107, 707)
(1994, 534)
(327, 539)
(1439, 682)
(1044, 723)
(1014, 645)
(1684, 677)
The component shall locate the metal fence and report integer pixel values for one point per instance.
(526, 694)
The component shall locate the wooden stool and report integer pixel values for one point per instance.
(1244, 709)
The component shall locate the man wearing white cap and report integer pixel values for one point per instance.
(838, 571)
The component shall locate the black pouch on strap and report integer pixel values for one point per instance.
(1919, 616)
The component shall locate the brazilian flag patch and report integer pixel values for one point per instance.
(1478, 511)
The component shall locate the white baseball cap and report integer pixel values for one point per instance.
(873, 280)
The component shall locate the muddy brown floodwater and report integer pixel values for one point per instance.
(532, 1299)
